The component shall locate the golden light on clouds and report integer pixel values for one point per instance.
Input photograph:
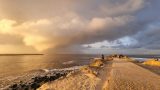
(6, 25)
(28, 31)
(16, 49)
(39, 42)
(55, 32)
(58, 24)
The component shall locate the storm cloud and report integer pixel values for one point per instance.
(73, 25)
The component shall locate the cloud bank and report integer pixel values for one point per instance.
(51, 25)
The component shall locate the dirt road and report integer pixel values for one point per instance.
(129, 76)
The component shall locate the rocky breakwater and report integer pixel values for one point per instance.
(37, 81)
(88, 77)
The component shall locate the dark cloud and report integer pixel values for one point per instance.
(144, 30)
(22, 10)
(149, 38)
(59, 25)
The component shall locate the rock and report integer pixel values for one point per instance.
(14, 86)
(35, 86)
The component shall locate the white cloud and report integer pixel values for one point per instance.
(6, 25)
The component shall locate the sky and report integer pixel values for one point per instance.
(80, 26)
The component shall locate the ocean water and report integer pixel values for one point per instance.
(15, 66)
(144, 57)
(12, 65)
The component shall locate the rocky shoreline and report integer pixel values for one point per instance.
(36, 81)
(91, 71)
(55, 74)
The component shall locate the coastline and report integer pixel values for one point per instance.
(18, 54)
(152, 64)
(154, 69)
(98, 75)
(120, 74)
(36, 79)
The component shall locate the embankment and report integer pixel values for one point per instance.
(114, 74)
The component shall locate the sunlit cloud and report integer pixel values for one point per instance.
(6, 25)
(43, 34)
(63, 24)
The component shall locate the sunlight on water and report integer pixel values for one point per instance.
(12, 65)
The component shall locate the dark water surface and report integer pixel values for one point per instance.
(17, 64)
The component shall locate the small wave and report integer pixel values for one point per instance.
(68, 62)
(141, 59)
(64, 69)
(45, 70)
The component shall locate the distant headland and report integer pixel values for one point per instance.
(18, 54)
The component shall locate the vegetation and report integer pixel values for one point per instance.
(97, 63)
(152, 62)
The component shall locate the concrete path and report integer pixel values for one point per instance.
(129, 76)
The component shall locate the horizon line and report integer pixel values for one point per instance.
(12, 54)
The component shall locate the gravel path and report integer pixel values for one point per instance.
(129, 76)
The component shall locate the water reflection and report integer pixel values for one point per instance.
(12, 65)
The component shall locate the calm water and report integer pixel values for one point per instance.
(12, 65)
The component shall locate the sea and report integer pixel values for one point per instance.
(15, 67)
